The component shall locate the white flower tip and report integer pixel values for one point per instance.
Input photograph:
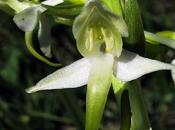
(173, 62)
(52, 2)
(131, 66)
(71, 76)
(31, 89)
(173, 70)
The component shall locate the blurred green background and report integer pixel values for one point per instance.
(64, 109)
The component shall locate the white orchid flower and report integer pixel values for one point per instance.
(99, 39)
(26, 19)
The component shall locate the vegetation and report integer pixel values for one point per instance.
(47, 42)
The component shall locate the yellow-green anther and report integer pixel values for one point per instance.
(89, 42)
(98, 31)
(107, 39)
(113, 42)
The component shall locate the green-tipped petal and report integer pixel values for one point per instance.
(167, 34)
(160, 38)
(101, 69)
(72, 76)
(131, 66)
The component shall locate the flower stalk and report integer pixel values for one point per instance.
(132, 16)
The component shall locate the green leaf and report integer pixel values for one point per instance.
(29, 44)
(99, 83)
(69, 103)
(132, 16)
(6, 8)
(114, 6)
(66, 10)
(11, 70)
(125, 111)
(17, 5)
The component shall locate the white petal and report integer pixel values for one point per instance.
(72, 76)
(52, 2)
(27, 19)
(173, 71)
(131, 66)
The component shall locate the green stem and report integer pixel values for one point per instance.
(135, 41)
(121, 94)
(29, 44)
(139, 118)
(125, 111)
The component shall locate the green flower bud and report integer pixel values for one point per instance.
(98, 30)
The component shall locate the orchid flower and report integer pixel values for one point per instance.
(99, 39)
(39, 17)
(16, 6)
(27, 18)
(28, 15)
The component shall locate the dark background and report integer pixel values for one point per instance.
(64, 109)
